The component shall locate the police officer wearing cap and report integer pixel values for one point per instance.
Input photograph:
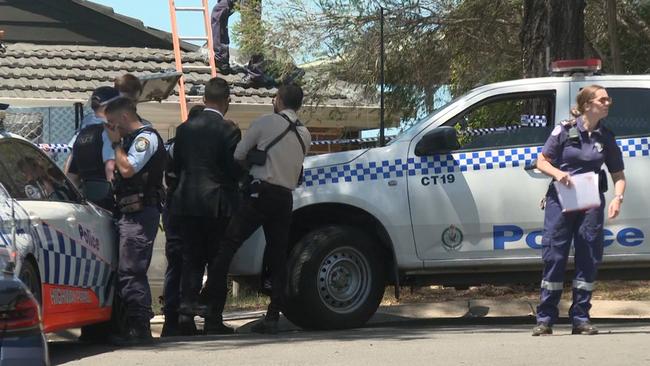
(269, 202)
(207, 194)
(92, 156)
(139, 163)
(577, 146)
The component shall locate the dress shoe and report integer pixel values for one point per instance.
(542, 329)
(266, 326)
(216, 327)
(584, 328)
(136, 335)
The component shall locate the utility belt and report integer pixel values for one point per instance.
(136, 202)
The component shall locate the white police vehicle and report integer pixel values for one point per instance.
(422, 210)
(63, 246)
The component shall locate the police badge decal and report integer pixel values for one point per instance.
(452, 239)
(141, 144)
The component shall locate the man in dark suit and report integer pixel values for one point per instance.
(206, 194)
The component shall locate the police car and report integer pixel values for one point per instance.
(63, 246)
(449, 203)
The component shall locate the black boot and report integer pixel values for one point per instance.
(266, 326)
(542, 329)
(170, 326)
(138, 334)
(214, 325)
(585, 328)
(186, 325)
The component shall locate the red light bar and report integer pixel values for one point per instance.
(586, 65)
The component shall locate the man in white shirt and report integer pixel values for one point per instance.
(284, 142)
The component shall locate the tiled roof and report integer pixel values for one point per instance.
(72, 72)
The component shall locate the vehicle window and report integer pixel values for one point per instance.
(33, 176)
(629, 115)
(506, 121)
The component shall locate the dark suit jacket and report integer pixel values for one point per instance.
(204, 163)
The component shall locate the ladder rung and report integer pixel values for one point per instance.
(196, 68)
(203, 38)
(189, 8)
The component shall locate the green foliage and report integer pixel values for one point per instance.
(434, 43)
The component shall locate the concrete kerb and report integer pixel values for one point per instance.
(475, 308)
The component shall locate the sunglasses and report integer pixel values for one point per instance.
(603, 100)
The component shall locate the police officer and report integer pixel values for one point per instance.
(206, 194)
(269, 203)
(92, 156)
(175, 324)
(139, 162)
(577, 146)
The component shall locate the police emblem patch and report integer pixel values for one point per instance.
(599, 146)
(452, 238)
(141, 144)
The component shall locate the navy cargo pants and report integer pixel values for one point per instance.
(137, 234)
(585, 229)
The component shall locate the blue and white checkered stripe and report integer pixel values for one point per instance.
(55, 148)
(449, 163)
(65, 262)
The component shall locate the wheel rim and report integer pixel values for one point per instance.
(344, 279)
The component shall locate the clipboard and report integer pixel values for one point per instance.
(582, 195)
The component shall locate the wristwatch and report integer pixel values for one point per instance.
(115, 144)
(620, 197)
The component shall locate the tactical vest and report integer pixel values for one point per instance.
(87, 150)
(148, 181)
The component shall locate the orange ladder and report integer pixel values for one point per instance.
(178, 58)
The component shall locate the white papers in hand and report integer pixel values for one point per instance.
(582, 195)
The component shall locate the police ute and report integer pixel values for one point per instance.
(453, 200)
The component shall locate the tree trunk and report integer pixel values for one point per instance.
(556, 25)
(613, 36)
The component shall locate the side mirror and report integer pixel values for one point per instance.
(441, 140)
(96, 190)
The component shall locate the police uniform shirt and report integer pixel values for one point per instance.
(572, 149)
(142, 149)
(107, 151)
(284, 159)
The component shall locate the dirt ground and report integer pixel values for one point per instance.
(605, 290)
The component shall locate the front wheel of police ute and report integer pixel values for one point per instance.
(29, 276)
(336, 279)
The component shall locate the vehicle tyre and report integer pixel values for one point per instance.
(29, 276)
(336, 279)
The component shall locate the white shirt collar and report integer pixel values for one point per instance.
(214, 110)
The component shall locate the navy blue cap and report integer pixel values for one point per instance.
(105, 94)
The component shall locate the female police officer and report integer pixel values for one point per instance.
(576, 146)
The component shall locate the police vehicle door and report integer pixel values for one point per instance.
(65, 260)
(479, 202)
(629, 119)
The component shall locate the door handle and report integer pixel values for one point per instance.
(71, 220)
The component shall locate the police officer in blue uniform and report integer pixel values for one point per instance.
(577, 146)
(139, 161)
(92, 156)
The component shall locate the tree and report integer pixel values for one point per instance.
(454, 43)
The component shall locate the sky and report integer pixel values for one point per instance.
(155, 13)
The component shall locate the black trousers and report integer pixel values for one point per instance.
(174, 253)
(268, 206)
(201, 236)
